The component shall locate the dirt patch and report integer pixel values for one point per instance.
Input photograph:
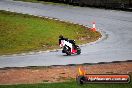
(58, 73)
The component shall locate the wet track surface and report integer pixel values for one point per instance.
(115, 45)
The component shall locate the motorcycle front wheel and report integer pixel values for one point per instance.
(78, 51)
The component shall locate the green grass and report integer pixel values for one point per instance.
(67, 85)
(23, 33)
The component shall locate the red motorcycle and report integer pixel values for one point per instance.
(69, 46)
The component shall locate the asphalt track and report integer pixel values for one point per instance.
(115, 45)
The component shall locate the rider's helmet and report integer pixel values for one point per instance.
(61, 36)
(74, 41)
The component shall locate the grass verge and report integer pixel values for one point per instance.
(72, 84)
(23, 33)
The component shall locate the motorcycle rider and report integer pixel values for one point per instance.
(72, 47)
(61, 38)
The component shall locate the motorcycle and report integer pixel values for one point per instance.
(67, 45)
(67, 50)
